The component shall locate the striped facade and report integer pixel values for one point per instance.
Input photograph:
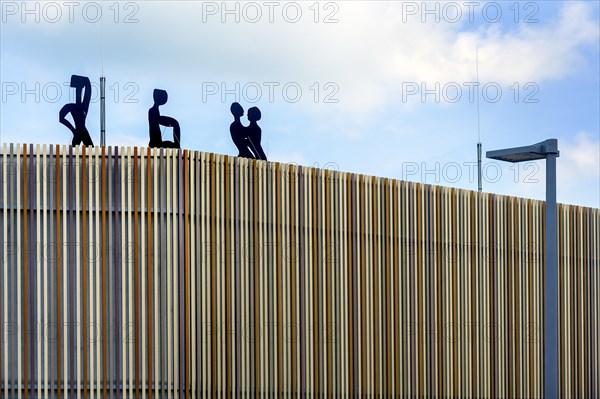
(136, 272)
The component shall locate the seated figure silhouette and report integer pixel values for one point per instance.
(238, 132)
(78, 111)
(156, 120)
(254, 133)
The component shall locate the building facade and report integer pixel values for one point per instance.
(137, 272)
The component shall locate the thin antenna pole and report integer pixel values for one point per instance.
(102, 89)
(477, 71)
(102, 111)
(102, 46)
(479, 185)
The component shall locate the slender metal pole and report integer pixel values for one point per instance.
(551, 285)
(102, 111)
(479, 187)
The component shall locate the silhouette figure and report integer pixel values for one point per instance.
(254, 133)
(238, 131)
(156, 120)
(78, 111)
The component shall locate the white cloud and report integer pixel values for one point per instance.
(369, 53)
(539, 52)
(579, 160)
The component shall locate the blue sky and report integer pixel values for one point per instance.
(381, 88)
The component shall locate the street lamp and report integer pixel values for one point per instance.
(549, 150)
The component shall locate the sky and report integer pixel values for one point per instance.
(385, 88)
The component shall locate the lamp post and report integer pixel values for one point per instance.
(545, 150)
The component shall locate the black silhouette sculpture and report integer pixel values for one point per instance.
(254, 133)
(238, 132)
(156, 120)
(78, 111)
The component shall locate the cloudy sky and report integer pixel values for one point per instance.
(382, 88)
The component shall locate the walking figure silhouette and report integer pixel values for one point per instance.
(156, 120)
(238, 132)
(254, 133)
(78, 111)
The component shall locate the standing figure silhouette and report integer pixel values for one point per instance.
(254, 133)
(156, 120)
(78, 111)
(238, 131)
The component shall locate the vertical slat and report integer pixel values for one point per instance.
(77, 208)
(136, 285)
(131, 250)
(227, 264)
(315, 301)
(327, 290)
(84, 271)
(124, 250)
(361, 278)
(205, 247)
(375, 288)
(175, 264)
(212, 265)
(141, 209)
(104, 256)
(89, 261)
(112, 162)
(96, 244)
(349, 286)
(38, 270)
(278, 271)
(217, 269)
(178, 198)
(45, 256)
(64, 260)
(186, 277)
(149, 282)
(6, 165)
(193, 266)
(292, 265)
(156, 255)
(23, 244)
(389, 316)
(395, 287)
(169, 266)
(455, 293)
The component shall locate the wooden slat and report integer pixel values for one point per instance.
(6, 163)
(25, 245)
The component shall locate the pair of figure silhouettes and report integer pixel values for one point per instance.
(247, 138)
